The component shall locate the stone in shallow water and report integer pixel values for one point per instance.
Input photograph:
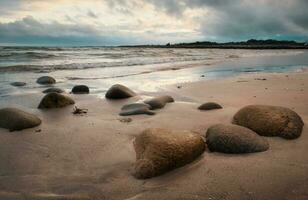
(46, 80)
(270, 121)
(159, 102)
(53, 89)
(80, 89)
(161, 150)
(119, 92)
(136, 109)
(15, 119)
(18, 84)
(55, 100)
(227, 138)
(209, 106)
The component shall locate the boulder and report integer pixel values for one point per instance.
(210, 106)
(234, 139)
(161, 150)
(18, 84)
(159, 102)
(46, 80)
(55, 100)
(270, 121)
(136, 109)
(119, 92)
(53, 89)
(15, 119)
(80, 89)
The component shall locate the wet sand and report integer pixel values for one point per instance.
(91, 156)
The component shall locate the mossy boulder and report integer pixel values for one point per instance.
(15, 119)
(55, 100)
(119, 92)
(161, 150)
(270, 121)
(46, 80)
(227, 138)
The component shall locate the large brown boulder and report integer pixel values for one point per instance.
(161, 150)
(234, 139)
(136, 109)
(159, 102)
(55, 100)
(270, 121)
(46, 80)
(119, 92)
(15, 119)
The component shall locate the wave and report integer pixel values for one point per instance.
(28, 55)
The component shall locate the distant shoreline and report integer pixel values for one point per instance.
(249, 44)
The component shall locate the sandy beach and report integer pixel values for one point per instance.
(91, 156)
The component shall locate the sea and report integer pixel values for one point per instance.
(142, 69)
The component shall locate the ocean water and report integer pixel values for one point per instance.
(143, 69)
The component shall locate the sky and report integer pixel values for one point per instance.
(128, 22)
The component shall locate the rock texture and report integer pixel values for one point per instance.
(49, 90)
(55, 100)
(270, 121)
(234, 139)
(15, 119)
(80, 89)
(119, 92)
(46, 80)
(159, 102)
(210, 106)
(136, 109)
(161, 150)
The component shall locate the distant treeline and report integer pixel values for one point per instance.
(249, 44)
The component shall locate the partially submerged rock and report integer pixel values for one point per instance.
(55, 100)
(209, 106)
(136, 109)
(18, 84)
(15, 119)
(270, 121)
(80, 89)
(234, 139)
(46, 80)
(161, 150)
(119, 92)
(159, 102)
(53, 89)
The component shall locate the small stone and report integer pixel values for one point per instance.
(55, 100)
(80, 89)
(46, 80)
(210, 106)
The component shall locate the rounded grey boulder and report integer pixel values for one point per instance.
(210, 106)
(119, 92)
(53, 89)
(55, 100)
(46, 80)
(270, 121)
(161, 150)
(15, 119)
(80, 89)
(234, 139)
(159, 102)
(136, 109)
(18, 84)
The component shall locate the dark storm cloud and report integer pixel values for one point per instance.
(243, 19)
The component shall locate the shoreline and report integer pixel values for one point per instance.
(91, 156)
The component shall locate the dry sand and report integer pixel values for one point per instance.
(91, 156)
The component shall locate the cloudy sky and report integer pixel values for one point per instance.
(119, 22)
